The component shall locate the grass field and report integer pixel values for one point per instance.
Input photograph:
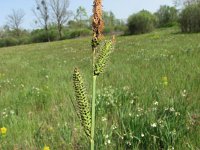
(148, 98)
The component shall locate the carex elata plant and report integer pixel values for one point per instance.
(101, 50)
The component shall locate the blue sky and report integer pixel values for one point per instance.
(121, 8)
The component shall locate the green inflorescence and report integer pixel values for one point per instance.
(102, 58)
(82, 102)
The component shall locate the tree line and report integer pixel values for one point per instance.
(187, 17)
(57, 22)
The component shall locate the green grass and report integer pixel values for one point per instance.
(135, 108)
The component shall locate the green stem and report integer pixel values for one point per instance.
(93, 111)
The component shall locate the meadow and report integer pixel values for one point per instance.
(148, 98)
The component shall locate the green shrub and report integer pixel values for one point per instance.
(40, 35)
(25, 40)
(190, 18)
(74, 33)
(141, 22)
(167, 16)
(8, 41)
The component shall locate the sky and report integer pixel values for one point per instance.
(121, 8)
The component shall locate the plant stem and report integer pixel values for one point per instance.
(93, 111)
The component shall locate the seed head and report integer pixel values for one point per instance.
(82, 102)
(102, 58)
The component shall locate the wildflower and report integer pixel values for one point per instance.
(184, 93)
(132, 101)
(177, 113)
(172, 109)
(155, 103)
(128, 143)
(109, 141)
(114, 127)
(137, 115)
(12, 112)
(104, 119)
(142, 134)
(3, 130)
(165, 80)
(47, 77)
(46, 148)
(154, 125)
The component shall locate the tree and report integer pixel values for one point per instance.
(167, 16)
(185, 2)
(15, 20)
(60, 13)
(109, 21)
(81, 17)
(42, 15)
(190, 18)
(109, 18)
(141, 22)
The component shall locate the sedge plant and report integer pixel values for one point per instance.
(101, 51)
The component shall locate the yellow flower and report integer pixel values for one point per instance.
(46, 148)
(3, 130)
(165, 81)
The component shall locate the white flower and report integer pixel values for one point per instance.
(108, 142)
(172, 109)
(154, 125)
(106, 136)
(155, 103)
(142, 134)
(132, 101)
(184, 93)
(114, 127)
(12, 112)
(177, 113)
(104, 119)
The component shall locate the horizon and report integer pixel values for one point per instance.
(121, 9)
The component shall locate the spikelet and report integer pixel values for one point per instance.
(102, 58)
(82, 102)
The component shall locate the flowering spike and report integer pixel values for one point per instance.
(102, 59)
(97, 23)
(82, 102)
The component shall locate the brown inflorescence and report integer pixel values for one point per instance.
(97, 23)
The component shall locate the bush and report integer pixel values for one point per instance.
(74, 33)
(8, 41)
(40, 35)
(141, 22)
(25, 40)
(167, 16)
(190, 18)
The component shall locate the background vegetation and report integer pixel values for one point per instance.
(150, 98)
(78, 24)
